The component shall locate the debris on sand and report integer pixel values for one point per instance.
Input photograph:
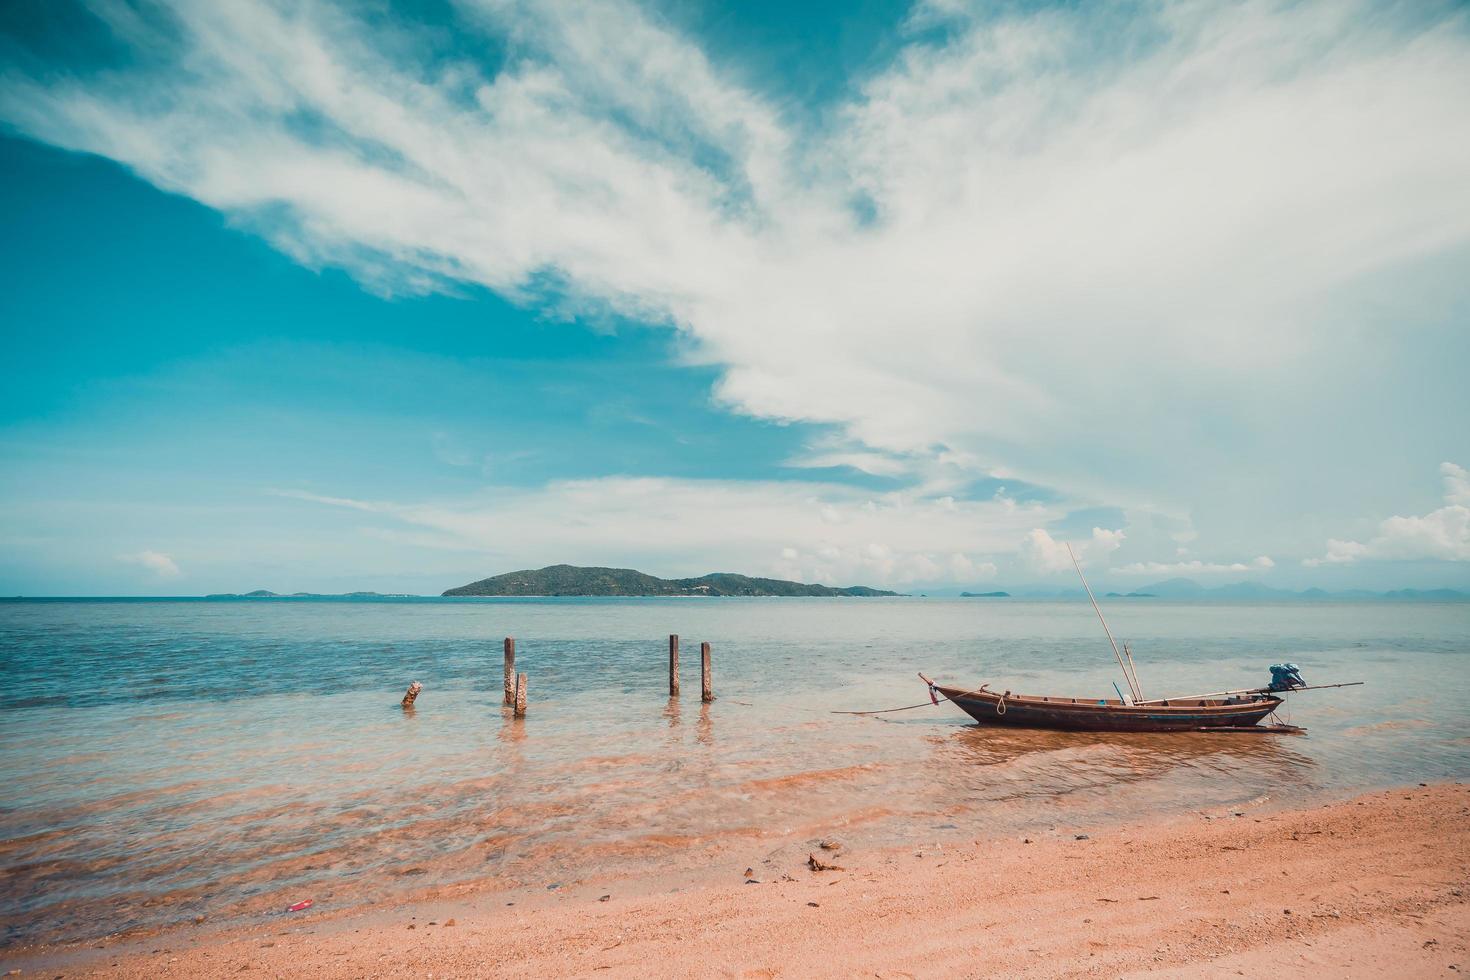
(815, 865)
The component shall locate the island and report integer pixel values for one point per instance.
(985, 595)
(573, 580)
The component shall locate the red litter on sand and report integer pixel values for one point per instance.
(300, 906)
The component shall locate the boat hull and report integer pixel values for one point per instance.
(1094, 715)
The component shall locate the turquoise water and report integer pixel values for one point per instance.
(167, 758)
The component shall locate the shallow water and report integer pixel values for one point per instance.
(164, 759)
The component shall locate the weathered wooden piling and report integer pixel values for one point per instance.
(673, 665)
(412, 694)
(510, 670)
(520, 709)
(707, 690)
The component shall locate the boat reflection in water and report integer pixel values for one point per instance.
(1107, 776)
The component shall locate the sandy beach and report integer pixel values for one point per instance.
(1373, 886)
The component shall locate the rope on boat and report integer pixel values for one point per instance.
(884, 711)
(1000, 706)
(934, 698)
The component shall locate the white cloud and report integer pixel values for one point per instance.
(962, 568)
(675, 526)
(1456, 484)
(155, 561)
(1338, 553)
(1260, 564)
(1040, 205)
(1440, 535)
(1043, 553)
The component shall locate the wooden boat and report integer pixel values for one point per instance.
(1222, 711)
(1111, 715)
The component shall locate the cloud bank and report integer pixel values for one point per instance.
(1440, 535)
(811, 532)
(940, 266)
(1194, 567)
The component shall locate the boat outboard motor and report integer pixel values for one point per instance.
(1286, 677)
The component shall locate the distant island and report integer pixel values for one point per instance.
(1183, 588)
(267, 594)
(572, 580)
(1191, 591)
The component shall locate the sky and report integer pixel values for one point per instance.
(394, 296)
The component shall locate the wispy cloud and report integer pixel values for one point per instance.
(1044, 554)
(1442, 534)
(814, 532)
(317, 498)
(940, 268)
(1260, 564)
(155, 561)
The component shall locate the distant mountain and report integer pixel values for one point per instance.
(1174, 588)
(985, 595)
(572, 580)
(1419, 594)
(1248, 590)
(1183, 588)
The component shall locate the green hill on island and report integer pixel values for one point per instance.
(572, 580)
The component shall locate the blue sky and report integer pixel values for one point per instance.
(394, 296)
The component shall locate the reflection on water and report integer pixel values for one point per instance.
(704, 732)
(1147, 770)
(1139, 755)
(146, 784)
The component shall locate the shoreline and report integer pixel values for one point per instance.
(1373, 885)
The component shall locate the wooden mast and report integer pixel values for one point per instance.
(1132, 669)
(1132, 684)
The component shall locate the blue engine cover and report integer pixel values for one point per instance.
(1286, 677)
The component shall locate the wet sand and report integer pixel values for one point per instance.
(1375, 886)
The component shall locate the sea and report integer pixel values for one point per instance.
(164, 759)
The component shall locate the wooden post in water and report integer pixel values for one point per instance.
(520, 709)
(412, 694)
(707, 690)
(510, 670)
(673, 665)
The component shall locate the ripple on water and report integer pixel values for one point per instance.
(152, 776)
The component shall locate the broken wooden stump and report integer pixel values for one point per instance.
(412, 694)
(706, 684)
(520, 696)
(510, 670)
(673, 665)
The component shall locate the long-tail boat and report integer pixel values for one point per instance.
(1223, 710)
(1111, 714)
